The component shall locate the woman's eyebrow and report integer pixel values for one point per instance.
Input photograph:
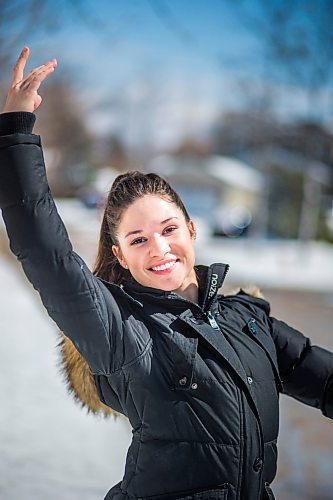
(169, 219)
(138, 231)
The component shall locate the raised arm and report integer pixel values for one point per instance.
(77, 301)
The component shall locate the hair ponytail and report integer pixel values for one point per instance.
(106, 265)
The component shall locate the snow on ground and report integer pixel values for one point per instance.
(50, 449)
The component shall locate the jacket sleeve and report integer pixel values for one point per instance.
(306, 370)
(76, 300)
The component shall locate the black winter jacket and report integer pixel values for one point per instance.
(199, 383)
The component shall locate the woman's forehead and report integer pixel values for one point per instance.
(148, 210)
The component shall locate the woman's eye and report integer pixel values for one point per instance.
(169, 229)
(137, 241)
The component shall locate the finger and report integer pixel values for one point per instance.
(35, 79)
(20, 65)
(36, 71)
(42, 75)
(43, 71)
(37, 101)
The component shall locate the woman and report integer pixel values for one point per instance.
(197, 374)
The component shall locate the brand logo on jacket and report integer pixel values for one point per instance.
(213, 285)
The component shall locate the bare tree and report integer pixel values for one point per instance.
(22, 18)
(65, 136)
(297, 50)
(297, 39)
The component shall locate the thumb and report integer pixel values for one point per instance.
(37, 101)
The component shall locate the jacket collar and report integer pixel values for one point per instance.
(210, 279)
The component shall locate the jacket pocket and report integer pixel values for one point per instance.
(259, 334)
(184, 352)
(218, 493)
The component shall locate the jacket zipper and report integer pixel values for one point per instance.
(206, 314)
(212, 320)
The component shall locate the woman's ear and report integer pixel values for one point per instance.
(117, 253)
(191, 228)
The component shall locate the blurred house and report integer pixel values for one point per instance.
(225, 194)
(297, 192)
(296, 159)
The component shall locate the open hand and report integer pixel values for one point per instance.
(23, 93)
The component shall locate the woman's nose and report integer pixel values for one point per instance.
(158, 246)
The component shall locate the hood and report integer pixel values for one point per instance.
(80, 380)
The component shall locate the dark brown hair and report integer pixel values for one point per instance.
(126, 189)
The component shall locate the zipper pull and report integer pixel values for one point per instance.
(212, 321)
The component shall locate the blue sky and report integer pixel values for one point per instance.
(195, 36)
(174, 63)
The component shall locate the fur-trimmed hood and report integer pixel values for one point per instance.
(79, 378)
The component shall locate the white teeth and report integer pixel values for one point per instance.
(163, 267)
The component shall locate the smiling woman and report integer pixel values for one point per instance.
(198, 374)
(160, 253)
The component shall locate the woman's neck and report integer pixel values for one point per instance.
(190, 290)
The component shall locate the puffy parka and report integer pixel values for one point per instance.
(199, 383)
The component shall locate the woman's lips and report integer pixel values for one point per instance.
(164, 268)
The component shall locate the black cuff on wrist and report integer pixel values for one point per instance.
(17, 122)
